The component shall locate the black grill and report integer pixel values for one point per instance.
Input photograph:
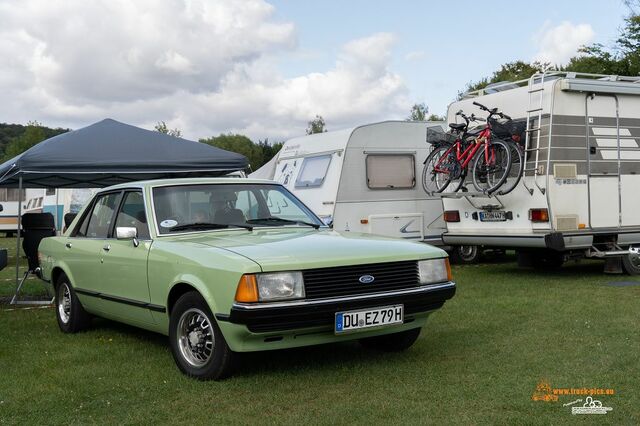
(344, 280)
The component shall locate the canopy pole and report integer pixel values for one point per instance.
(18, 235)
(57, 219)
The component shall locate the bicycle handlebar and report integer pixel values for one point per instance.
(492, 111)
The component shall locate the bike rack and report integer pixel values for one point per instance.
(476, 195)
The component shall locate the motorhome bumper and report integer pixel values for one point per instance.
(261, 318)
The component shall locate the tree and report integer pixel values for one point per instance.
(418, 112)
(511, 71)
(33, 134)
(269, 150)
(240, 144)
(162, 128)
(317, 125)
(436, 117)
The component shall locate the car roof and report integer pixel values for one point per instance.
(186, 181)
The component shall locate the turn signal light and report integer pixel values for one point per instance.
(539, 215)
(247, 291)
(449, 274)
(364, 221)
(451, 216)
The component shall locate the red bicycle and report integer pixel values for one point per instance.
(490, 159)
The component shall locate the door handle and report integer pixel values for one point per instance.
(592, 150)
(68, 245)
(107, 247)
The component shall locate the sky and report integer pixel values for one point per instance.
(265, 68)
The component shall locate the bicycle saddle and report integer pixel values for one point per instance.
(457, 126)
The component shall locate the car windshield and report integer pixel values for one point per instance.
(199, 207)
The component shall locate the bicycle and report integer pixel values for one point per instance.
(449, 161)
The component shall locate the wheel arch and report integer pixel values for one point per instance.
(182, 287)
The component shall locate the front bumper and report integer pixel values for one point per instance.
(285, 316)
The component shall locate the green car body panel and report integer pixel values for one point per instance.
(134, 284)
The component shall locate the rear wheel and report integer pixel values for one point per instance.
(434, 181)
(70, 314)
(465, 254)
(631, 265)
(516, 169)
(198, 346)
(491, 166)
(395, 342)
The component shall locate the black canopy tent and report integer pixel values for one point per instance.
(107, 153)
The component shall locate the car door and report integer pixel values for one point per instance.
(123, 264)
(83, 248)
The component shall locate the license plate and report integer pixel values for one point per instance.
(493, 216)
(369, 318)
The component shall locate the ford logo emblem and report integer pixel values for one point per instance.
(366, 279)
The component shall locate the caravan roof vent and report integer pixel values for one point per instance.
(500, 87)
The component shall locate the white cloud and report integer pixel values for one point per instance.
(557, 44)
(205, 67)
(415, 55)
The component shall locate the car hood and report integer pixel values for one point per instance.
(295, 248)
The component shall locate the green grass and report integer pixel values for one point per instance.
(477, 362)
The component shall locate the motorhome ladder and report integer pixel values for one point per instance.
(529, 150)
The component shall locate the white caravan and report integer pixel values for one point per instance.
(363, 179)
(579, 191)
(32, 202)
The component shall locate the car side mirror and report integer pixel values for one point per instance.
(127, 233)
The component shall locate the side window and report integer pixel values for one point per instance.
(132, 214)
(391, 171)
(280, 206)
(313, 171)
(101, 216)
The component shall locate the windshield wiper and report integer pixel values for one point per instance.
(283, 221)
(209, 225)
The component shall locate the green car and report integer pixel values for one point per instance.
(235, 265)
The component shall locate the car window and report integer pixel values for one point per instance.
(391, 171)
(282, 206)
(132, 214)
(313, 171)
(248, 203)
(101, 216)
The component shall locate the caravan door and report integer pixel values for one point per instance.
(603, 141)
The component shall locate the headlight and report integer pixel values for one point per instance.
(270, 286)
(434, 271)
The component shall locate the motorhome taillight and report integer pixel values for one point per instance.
(539, 215)
(451, 216)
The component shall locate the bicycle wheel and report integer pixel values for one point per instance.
(434, 181)
(491, 167)
(517, 167)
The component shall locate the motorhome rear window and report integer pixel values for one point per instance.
(313, 171)
(391, 171)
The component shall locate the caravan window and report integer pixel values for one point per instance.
(391, 171)
(313, 171)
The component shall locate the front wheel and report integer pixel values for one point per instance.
(198, 346)
(395, 342)
(435, 181)
(491, 166)
(465, 255)
(515, 171)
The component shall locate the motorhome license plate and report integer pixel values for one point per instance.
(368, 318)
(493, 216)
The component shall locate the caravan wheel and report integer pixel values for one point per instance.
(465, 254)
(631, 265)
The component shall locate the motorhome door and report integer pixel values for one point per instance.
(603, 160)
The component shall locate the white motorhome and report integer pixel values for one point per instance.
(32, 202)
(578, 195)
(364, 179)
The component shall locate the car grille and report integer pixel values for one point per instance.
(344, 280)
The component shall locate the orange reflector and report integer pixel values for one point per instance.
(581, 226)
(451, 216)
(364, 221)
(449, 274)
(247, 291)
(539, 215)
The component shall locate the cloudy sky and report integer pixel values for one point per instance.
(264, 68)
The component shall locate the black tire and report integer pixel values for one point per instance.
(515, 171)
(191, 327)
(630, 267)
(466, 255)
(71, 316)
(488, 178)
(434, 182)
(395, 342)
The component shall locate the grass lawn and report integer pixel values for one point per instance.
(478, 361)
